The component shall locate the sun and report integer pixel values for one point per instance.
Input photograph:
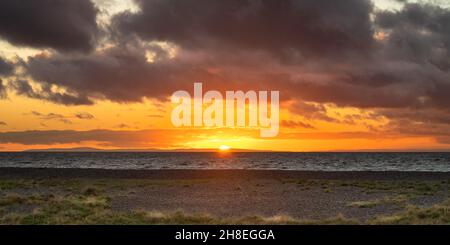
(224, 148)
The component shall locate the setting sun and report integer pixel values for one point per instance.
(224, 148)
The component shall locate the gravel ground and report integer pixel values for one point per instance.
(238, 193)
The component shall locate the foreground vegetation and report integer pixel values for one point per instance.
(89, 202)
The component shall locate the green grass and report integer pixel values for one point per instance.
(11, 199)
(436, 214)
(11, 184)
(96, 211)
(399, 200)
(398, 187)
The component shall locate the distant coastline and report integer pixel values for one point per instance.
(92, 149)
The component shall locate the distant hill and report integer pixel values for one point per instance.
(78, 149)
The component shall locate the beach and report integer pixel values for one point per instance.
(101, 196)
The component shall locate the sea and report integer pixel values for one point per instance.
(373, 161)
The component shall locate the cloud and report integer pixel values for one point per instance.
(23, 87)
(311, 111)
(123, 74)
(155, 116)
(296, 124)
(84, 116)
(304, 28)
(48, 116)
(59, 24)
(104, 75)
(156, 137)
(3, 123)
(372, 77)
(6, 68)
(123, 125)
(51, 116)
(315, 34)
(137, 138)
(62, 118)
(419, 41)
(3, 93)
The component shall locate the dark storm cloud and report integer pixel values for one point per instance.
(420, 40)
(343, 95)
(317, 28)
(123, 74)
(208, 35)
(410, 68)
(6, 68)
(65, 25)
(118, 74)
(387, 77)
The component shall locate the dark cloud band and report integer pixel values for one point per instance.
(65, 25)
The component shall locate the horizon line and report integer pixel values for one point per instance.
(208, 150)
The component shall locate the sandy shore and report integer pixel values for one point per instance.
(221, 196)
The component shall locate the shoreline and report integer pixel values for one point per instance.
(94, 173)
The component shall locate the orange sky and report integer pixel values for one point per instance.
(151, 119)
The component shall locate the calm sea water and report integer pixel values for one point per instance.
(255, 160)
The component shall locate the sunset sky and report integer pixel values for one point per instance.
(352, 74)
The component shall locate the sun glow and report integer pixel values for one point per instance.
(224, 148)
